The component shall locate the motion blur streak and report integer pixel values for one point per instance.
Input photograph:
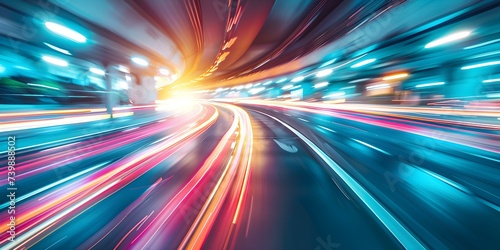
(489, 144)
(114, 176)
(239, 163)
(249, 124)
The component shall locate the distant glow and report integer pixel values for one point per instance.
(43, 86)
(336, 94)
(256, 90)
(360, 80)
(2, 69)
(287, 87)
(248, 86)
(448, 39)
(140, 61)
(363, 63)
(492, 80)
(240, 87)
(328, 62)
(393, 77)
(55, 61)
(58, 49)
(65, 32)
(486, 64)
(128, 78)
(268, 82)
(429, 84)
(378, 86)
(298, 79)
(324, 73)
(282, 80)
(123, 69)
(482, 44)
(320, 85)
(164, 71)
(97, 71)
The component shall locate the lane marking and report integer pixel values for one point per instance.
(288, 148)
(405, 237)
(249, 217)
(325, 128)
(371, 146)
(484, 157)
(56, 242)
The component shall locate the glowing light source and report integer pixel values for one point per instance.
(482, 44)
(396, 76)
(97, 71)
(324, 73)
(42, 86)
(123, 69)
(140, 61)
(348, 87)
(65, 32)
(363, 63)
(378, 86)
(492, 80)
(320, 85)
(164, 71)
(287, 87)
(55, 61)
(480, 65)
(282, 80)
(328, 62)
(448, 39)
(298, 79)
(268, 82)
(256, 90)
(336, 94)
(123, 85)
(58, 49)
(429, 84)
(360, 80)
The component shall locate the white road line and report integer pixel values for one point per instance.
(130, 129)
(484, 157)
(56, 242)
(371, 146)
(249, 217)
(325, 128)
(405, 237)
